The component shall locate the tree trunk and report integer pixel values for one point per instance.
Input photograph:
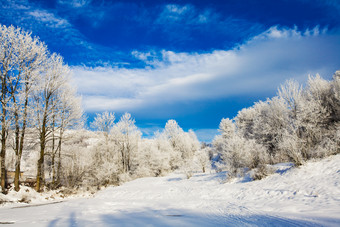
(53, 153)
(3, 182)
(53, 169)
(16, 147)
(59, 162)
(3, 169)
(21, 148)
(3, 153)
(40, 164)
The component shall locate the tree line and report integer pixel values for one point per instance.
(298, 124)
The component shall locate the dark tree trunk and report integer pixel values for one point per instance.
(40, 164)
(3, 153)
(21, 143)
(59, 163)
(3, 182)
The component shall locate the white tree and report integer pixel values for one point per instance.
(46, 99)
(105, 156)
(184, 145)
(68, 115)
(104, 123)
(317, 118)
(237, 152)
(244, 122)
(153, 157)
(202, 157)
(126, 136)
(227, 128)
(21, 58)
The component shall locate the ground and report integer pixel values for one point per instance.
(304, 196)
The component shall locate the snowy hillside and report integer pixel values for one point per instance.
(305, 196)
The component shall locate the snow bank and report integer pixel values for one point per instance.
(27, 196)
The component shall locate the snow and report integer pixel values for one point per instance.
(304, 196)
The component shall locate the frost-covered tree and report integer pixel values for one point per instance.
(238, 152)
(126, 136)
(35, 93)
(68, 115)
(270, 124)
(153, 157)
(184, 144)
(32, 58)
(244, 122)
(21, 59)
(298, 124)
(313, 119)
(104, 123)
(291, 145)
(227, 128)
(46, 97)
(202, 158)
(291, 93)
(318, 117)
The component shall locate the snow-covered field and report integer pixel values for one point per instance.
(305, 196)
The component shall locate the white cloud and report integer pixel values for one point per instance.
(75, 3)
(49, 19)
(286, 33)
(16, 5)
(258, 66)
(188, 14)
(50, 25)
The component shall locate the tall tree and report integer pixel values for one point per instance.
(21, 57)
(69, 115)
(32, 58)
(46, 99)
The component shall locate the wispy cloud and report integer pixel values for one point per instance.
(206, 23)
(258, 66)
(45, 22)
(70, 26)
(186, 14)
(75, 3)
(55, 27)
(49, 19)
(173, 13)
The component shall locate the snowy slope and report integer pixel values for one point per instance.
(305, 196)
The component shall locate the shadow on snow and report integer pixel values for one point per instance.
(175, 217)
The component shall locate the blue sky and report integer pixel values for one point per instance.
(192, 61)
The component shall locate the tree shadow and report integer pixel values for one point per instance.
(178, 217)
(175, 217)
(175, 179)
(72, 221)
(283, 168)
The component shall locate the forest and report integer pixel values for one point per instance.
(43, 129)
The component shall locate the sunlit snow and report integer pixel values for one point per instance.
(304, 196)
